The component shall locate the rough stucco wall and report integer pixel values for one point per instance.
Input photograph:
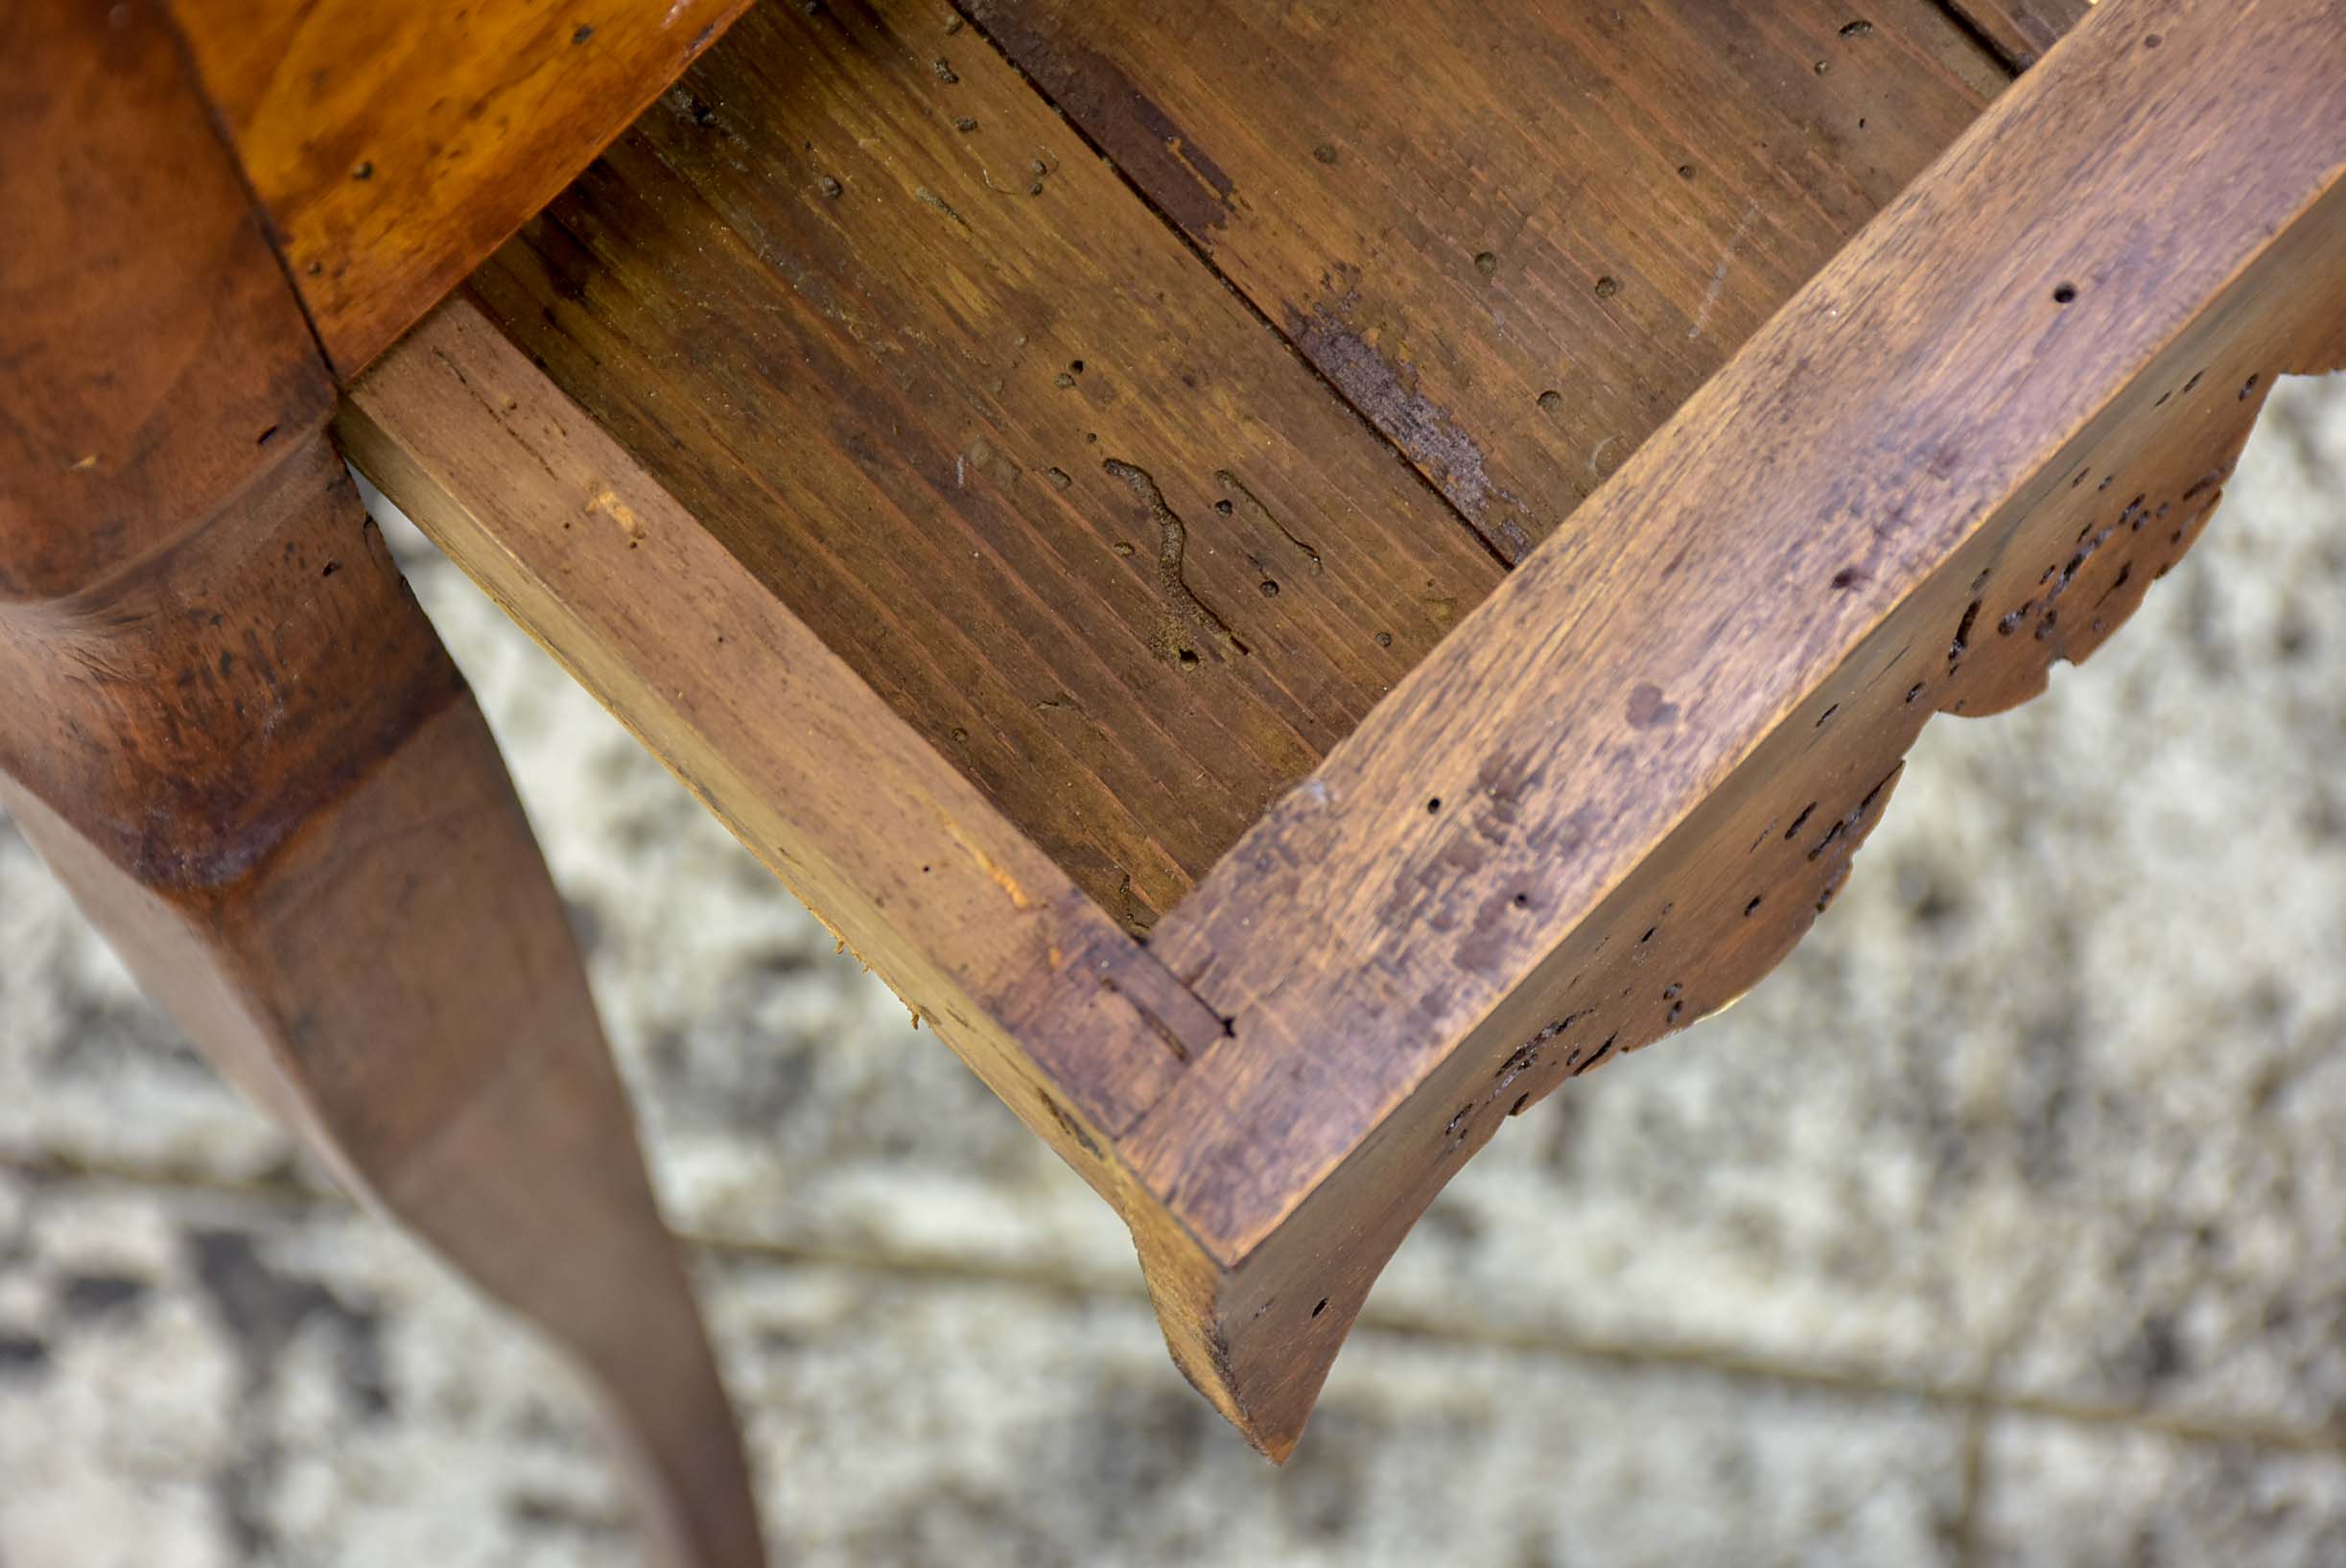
(2002, 1225)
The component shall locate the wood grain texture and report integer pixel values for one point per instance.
(251, 762)
(1515, 240)
(986, 938)
(2021, 31)
(233, 736)
(1623, 788)
(889, 331)
(976, 928)
(149, 351)
(394, 146)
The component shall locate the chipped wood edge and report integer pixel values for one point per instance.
(1575, 830)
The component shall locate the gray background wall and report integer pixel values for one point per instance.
(2005, 1223)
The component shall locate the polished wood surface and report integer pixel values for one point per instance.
(394, 146)
(255, 767)
(151, 355)
(1083, 578)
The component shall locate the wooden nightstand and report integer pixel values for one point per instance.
(1291, 580)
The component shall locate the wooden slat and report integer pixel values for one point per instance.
(1620, 791)
(1067, 1018)
(394, 146)
(973, 925)
(153, 362)
(2021, 31)
(1518, 236)
(957, 400)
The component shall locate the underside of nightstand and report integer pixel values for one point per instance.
(1293, 595)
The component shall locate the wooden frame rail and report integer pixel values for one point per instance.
(1618, 791)
(1623, 787)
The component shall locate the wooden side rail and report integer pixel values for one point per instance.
(1610, 799)
(1620, 791)
(1078, 1028)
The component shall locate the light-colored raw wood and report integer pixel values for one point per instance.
(979, 930)
(394, 146)
(231, 732)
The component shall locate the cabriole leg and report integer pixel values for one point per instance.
(254, 767)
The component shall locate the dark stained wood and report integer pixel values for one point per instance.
(2021, 31)
(889, 331)
(253, 765)
(1517, 238)
(394, 146)
(231, 732)
(1621, 790)
(149, 352)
